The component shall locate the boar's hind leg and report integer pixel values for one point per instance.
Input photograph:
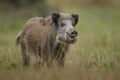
(38, 62)
(25, 56)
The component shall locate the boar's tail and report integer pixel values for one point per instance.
(18, 38)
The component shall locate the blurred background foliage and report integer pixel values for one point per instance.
(44, 6)
(17, 3)
(26, 3)
(13, 12)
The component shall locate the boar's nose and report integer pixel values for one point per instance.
(74, 33)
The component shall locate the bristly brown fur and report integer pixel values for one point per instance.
(38, 38)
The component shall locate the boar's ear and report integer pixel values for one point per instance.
(55, 17)
(75, 16)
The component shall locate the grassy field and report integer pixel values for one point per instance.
(95, 56)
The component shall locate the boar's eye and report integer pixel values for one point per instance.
(62, 24)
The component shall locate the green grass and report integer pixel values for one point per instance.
(95, 56)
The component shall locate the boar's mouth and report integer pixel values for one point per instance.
(71, 38)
